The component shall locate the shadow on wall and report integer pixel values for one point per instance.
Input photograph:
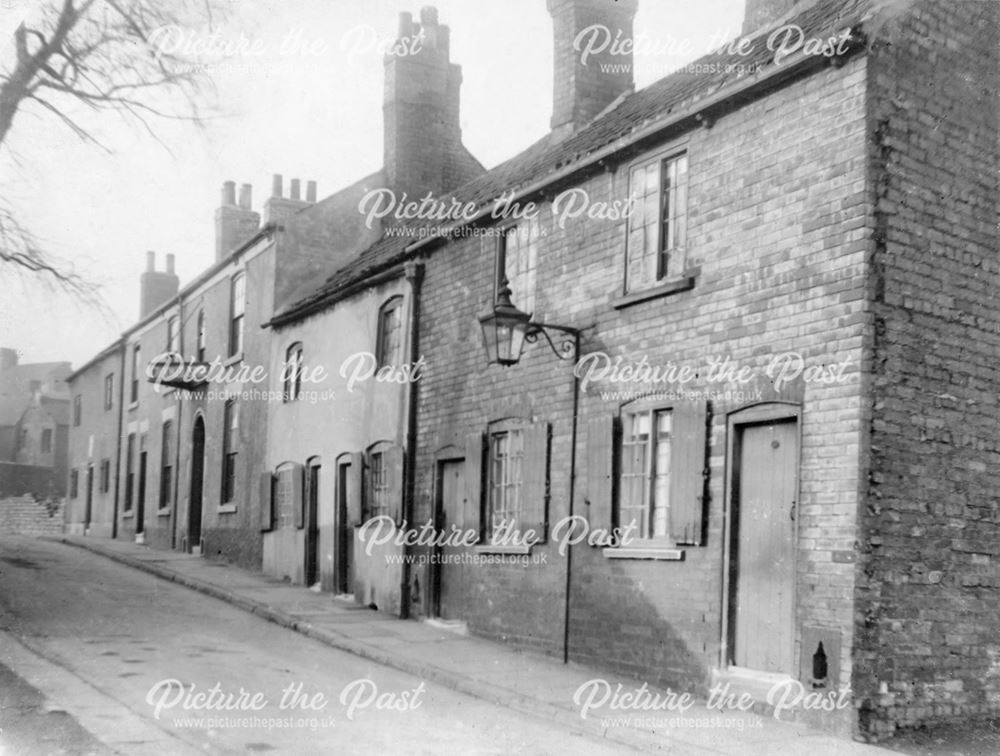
(615, 628)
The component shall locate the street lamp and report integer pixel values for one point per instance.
(506, 329)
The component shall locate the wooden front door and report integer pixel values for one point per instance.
(197, 484)
(88, 512)
(140, 511)
(312, 524)
(450, 488)
(763, 558)
(344, 547)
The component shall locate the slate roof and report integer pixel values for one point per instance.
(636, 111)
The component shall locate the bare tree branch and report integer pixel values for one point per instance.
(107, 55)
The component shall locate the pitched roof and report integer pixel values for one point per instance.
(550, 157)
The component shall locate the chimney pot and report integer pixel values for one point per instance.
(405, 25)
(428, 16)
(276, 185)
(310, 191)
(246, 193)
(295, 188)
(582, 90)
(170, 263)
(150, 261)
(228, 193)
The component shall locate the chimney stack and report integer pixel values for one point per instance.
(8, 358)
(155, 287)
(311, 191)
(278, 209)
(234, 224)
(588, 80)
(423, 136)
(762, 13)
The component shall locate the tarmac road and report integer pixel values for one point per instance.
(114, 652)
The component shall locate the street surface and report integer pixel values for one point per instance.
(100, 658)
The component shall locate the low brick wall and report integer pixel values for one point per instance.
(24, 515)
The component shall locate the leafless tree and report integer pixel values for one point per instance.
(79, 58)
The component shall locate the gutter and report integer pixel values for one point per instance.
(389, 274)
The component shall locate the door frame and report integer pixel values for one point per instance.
(312, 483)
(442, 456)
(342, 531)
(197, 481)
(755, 414)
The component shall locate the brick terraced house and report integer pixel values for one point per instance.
(736, 424)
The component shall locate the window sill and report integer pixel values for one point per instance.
(163, 512)
(127, 514)
(233, 360)
(501, 548)
(133, 405)
(658, 553)
(673, 286)
(226, 509)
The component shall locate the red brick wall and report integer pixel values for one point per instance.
(927, 598)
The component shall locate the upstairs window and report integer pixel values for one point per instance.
(47, 441)
(109, 392)
(136, 358)
(200, 343)
(237, 310)
(390, 327)
(77, 409)
(173, 335)
(74, 484)
(292, 371)
(518, 262)
(657, 226)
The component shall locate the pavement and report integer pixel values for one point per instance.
(528, 683)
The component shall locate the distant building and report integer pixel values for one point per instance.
(34, 426)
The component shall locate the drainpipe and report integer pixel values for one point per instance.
(118, 451)
(414, 272)
(177, 429)
(572, 497)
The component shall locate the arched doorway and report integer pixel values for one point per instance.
(197, 485)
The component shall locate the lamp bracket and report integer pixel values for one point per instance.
(567, 348)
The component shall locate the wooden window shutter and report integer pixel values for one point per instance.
(473, 505)
(266, 502)
(600, 471)
(298, 496)
(535, 479)
(355, 473)
(393, 459)
(687, 468)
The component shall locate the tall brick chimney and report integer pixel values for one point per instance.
(8, 358)
(422, 136)
(761, 13)
(279, 207)
(156, 287)
(234, 223)
(586, 84)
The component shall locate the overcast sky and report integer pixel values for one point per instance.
(312, 113)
